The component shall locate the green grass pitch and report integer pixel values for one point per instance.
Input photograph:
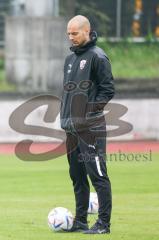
(28, 191)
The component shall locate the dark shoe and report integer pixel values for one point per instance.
(78, 226)
(99, 228)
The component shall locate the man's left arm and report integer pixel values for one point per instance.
(105, 82)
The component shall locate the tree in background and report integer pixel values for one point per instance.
(96, 13)
(67, 8)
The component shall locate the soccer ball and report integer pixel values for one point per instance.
(60, 219)
(93, 203)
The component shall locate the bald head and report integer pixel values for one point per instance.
(78, 30)
(80, 21)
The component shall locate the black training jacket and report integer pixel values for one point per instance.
(87, 79)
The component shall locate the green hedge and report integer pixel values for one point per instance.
(133, 60)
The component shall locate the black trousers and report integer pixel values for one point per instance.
(86, 156)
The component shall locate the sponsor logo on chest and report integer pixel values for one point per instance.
(82, 66)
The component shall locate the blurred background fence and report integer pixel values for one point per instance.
(32, 34)
(111, 18)
(33, 43)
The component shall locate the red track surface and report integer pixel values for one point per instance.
(113, 147)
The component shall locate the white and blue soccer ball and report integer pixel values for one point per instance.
(93, 203)
(59, 219)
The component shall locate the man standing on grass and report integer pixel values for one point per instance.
(88, 86)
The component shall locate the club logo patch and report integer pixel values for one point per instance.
(82, 64)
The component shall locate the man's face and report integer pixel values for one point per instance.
(78, 36)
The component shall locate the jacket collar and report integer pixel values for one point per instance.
(79, 50)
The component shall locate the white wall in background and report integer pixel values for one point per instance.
(143, 114)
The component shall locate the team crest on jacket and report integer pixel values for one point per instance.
(82, 64)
